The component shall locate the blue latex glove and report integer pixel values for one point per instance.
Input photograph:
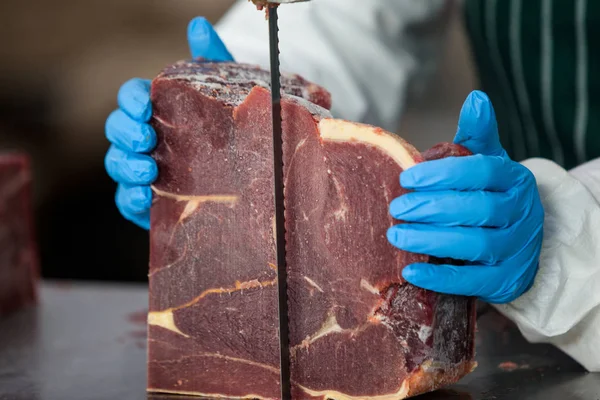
(484, 209)
(127, 161)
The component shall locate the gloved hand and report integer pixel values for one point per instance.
(127, 161)
(484, 209)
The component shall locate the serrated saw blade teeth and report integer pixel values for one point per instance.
(285, 379)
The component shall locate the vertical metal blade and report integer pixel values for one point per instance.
(284, 350)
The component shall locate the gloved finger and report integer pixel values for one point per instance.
(205, 42)
(134, 204)
(134, 99)
(477, 126)
(453, 208)
(476, 172)
(524, 264)
(130, 168)
(129, 134)
(485, 245)
(486, 283)
(134, 199)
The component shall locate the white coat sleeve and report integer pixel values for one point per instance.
(369, 54)
(563, 305)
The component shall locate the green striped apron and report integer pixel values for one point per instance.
(540, 64)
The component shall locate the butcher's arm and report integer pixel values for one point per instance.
(369, 54)
(563, 305)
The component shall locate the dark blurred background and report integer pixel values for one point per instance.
(61, 65)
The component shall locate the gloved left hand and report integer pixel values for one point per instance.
(127, 128)
(484, 209)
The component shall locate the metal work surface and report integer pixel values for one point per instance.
(88, 342)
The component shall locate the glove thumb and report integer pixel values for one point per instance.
(477, 126)
(204, 41)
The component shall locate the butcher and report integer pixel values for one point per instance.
(523, 211)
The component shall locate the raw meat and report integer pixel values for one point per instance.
(18, 253)
(357, 330)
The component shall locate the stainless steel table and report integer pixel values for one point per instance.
(87, 342)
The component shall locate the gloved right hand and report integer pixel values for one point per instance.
(484, 209)
(128, 130)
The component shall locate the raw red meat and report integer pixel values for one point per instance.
(18, 252)
(442, 150)
(357, 328)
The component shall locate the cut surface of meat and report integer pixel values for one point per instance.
(357, 329)
(19, 268)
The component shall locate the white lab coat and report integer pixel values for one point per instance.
(370, 55)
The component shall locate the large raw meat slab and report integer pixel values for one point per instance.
(18, 252)
(357, 329)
